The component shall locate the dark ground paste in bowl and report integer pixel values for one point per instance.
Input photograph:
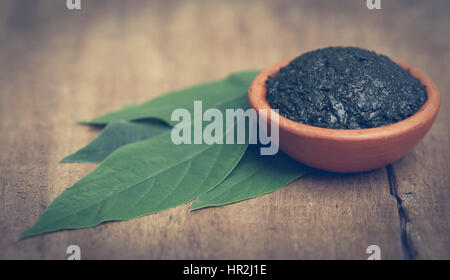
(344, 88)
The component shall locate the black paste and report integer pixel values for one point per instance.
(344, 88)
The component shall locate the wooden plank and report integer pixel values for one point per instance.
(66, 66)
(422, 182)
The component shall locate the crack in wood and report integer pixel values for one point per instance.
(408, 251)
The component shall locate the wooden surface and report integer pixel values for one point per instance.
(59, 66)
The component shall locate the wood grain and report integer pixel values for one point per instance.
(59, 66)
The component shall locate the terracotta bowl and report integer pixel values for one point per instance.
(348, 150)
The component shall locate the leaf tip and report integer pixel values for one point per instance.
(193, 207)
(76, 158)
(65, 159)
(197, 205)
(93, 122)
(84, 122)
(70, 159)
(24, 235)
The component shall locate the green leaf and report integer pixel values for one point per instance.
(115, 135)
(140, 179)
(254, 176)
(118, 132)
(213, 94)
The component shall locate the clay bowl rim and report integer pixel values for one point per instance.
(425, 115)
